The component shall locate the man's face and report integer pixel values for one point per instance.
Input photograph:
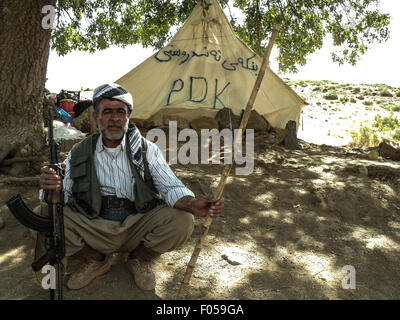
(112, 119)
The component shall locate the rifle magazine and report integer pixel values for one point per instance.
(26, 216)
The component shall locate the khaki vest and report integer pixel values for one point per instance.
(86, 196)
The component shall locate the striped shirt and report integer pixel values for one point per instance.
(116, 179)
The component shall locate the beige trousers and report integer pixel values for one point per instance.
(161, 229)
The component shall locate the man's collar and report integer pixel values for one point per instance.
(101, 147)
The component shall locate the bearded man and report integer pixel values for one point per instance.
(121, 196)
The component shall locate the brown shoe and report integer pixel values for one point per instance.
(142, 274)
(90, 271)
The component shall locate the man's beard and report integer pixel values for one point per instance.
(114, 136)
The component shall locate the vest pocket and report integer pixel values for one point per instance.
(78, 170)
(80, 187)
(78, 160)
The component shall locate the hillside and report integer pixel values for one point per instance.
(337, 112)
(288, 229)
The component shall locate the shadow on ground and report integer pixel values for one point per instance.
(287, 231)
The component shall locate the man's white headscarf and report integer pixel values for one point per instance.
(112, 91)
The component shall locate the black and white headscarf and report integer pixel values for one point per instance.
(113, 91)
(134, 139)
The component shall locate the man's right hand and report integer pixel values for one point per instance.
(49, 180)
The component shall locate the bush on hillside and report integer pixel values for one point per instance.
(383, 128)
(390, 106)
(365, 137)
(386, 93)
(386, 123)
(302, 83)
(331, 96)
(344, 99)
(314, 83)
(396, 136)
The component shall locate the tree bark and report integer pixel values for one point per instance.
(24, 52)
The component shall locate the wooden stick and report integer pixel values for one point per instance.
(227, 169)
(20, 180)
(19, 159)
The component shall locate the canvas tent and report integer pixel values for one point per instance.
(203, 69)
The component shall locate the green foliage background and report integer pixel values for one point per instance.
(354, 25)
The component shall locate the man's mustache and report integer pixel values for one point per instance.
(114, 125)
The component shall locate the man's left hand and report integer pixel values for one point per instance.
(204, 207)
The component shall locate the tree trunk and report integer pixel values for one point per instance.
(24, 52)
(290, 140)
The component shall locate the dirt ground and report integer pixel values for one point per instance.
(287, 231)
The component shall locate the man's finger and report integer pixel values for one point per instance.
(213, 214)
(213, 200)
(217, 206)
(50, 182)
(50, 175)
(49, 170)
(51, 187)
(221, 200)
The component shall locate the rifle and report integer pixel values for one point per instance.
(53, 225)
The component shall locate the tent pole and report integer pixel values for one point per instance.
(227, 169)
